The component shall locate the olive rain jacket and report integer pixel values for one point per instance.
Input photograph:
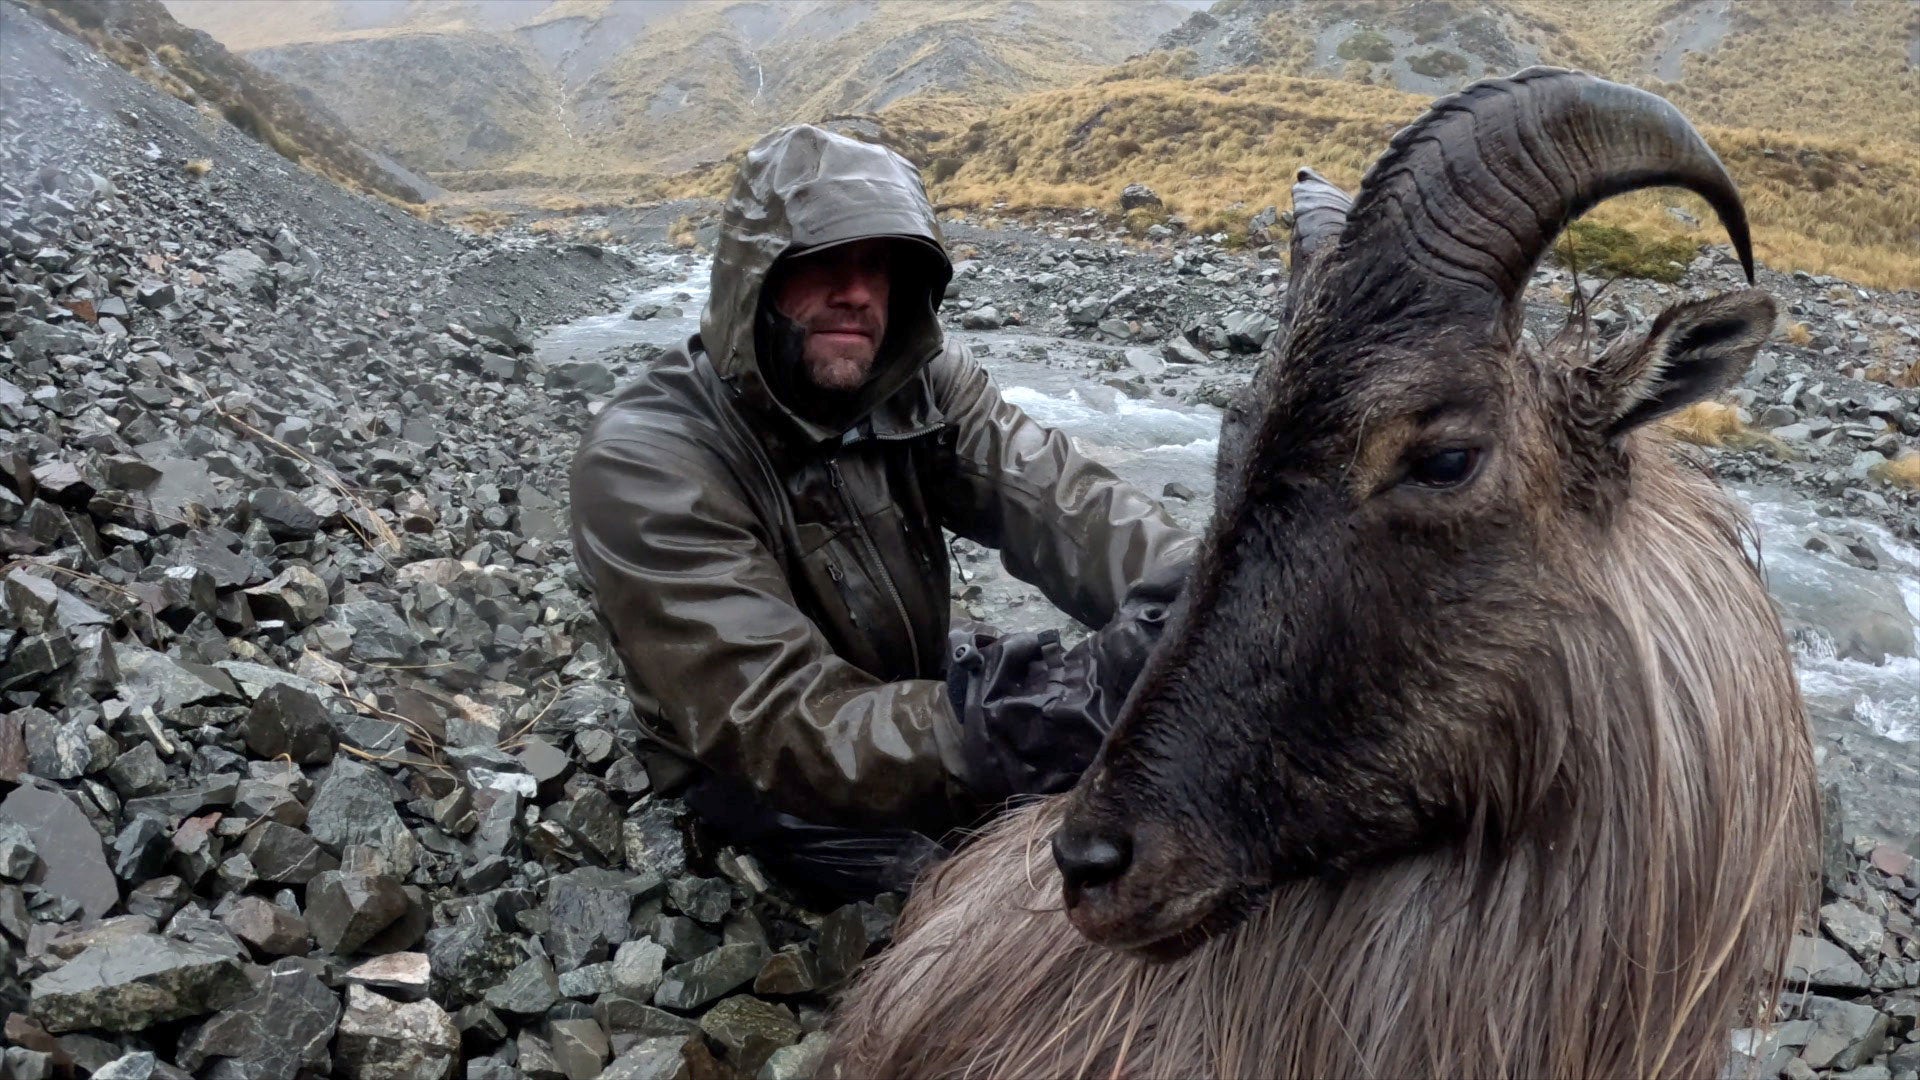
(776, 582)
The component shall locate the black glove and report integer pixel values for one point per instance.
(1032, 713)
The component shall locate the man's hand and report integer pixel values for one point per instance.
(1032, 713)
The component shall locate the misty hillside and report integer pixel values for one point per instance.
(565, 87)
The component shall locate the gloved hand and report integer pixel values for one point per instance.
(1032, 713)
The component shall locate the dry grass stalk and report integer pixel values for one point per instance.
(384, 531)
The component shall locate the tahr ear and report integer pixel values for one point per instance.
(1694, 351)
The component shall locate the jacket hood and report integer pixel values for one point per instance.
(803, 188)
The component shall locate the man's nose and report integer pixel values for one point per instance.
(853, 290)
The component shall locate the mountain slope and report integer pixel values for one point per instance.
(469, 90)
(141, 36)
(1842, 69)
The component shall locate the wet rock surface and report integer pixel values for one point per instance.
(312, 756)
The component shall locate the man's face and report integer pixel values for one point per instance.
(839, 297)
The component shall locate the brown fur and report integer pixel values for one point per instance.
(1624, 943)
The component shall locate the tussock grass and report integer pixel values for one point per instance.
(198, 167)
(1707, 423)
(1799, 334)
(1903, 471)
(1717, 424)
(684, 233)
(483, 221)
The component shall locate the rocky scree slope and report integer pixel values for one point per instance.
(311, 758)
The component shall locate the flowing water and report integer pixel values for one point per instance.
(1866, 716)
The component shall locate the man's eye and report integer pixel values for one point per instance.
(1444, 468)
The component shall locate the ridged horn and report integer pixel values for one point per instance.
(1319, 215)
(1451, 220)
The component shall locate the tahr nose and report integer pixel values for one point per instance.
(1088, 858)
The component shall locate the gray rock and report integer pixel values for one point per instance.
(155, 680)
(982, 318)
(591, 818)
(661, 1058)
(1846, 1034)
(283, 1029)
(702, 979)
(404, 976)
(243, 270)
(296, 596)
(139, 1065)
(847, 935)
(72, 862)
(138, 771)
(655, 841)
(285, 516)
(284, 855)
(380, 634)
(134, 982)
(17, 854)
(354, 807)
(588, 911)
(528, 990)
(704, 900)
(580, 1048)
(473, 953)
(1820, 963)
(586, 377)
(584, 983)
(1858, 931)
(749, 1030)
(801, 1061)
(1087, 311)
(266, 926)
(682, 938)
(1138, 197)
(290, 722)
(383, 1039)
(792, 970)
(347, 910)
(1248, 331)
(638, 967)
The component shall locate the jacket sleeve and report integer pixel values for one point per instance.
(701, 612)
(1062, 522)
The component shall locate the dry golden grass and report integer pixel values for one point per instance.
(1218, 149)
(683, 233)
(198, 167)
(1706, 423)
(1799, 334)
(1717, 424)
(483, 221)
(1903, 471)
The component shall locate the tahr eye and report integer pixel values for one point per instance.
(1444, 468)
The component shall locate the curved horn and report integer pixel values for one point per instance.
(1451, 220)
(1319, 214)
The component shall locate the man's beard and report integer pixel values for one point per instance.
(839, 374)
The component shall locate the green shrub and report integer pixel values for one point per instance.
(1369, 45)
(1593, 248)
(1438, 64)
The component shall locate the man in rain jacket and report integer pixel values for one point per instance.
(760, 519)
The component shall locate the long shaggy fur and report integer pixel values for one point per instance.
(1648, 913)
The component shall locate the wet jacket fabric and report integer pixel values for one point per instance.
(772, 570)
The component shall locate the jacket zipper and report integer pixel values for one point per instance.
(873, 553)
